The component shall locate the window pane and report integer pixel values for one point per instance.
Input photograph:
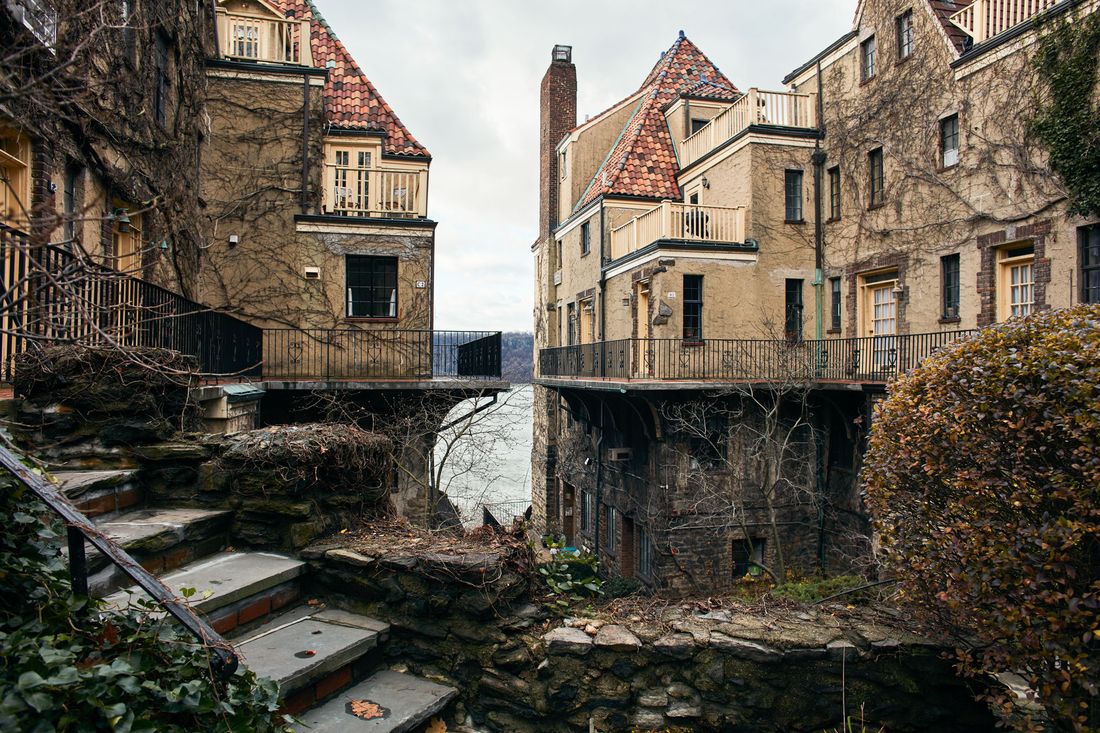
(693, 307)
(876, 176)
(793, 315)
(834, 192)
(949, 140)
(950, 267)
(372, 286)
(834, 287)
(905, 34)
(1089, 238)
(793, 195)
(869, 57)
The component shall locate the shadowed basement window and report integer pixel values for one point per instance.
(748, 554)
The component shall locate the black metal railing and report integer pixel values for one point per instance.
(51, 295)
(359, 354)
(224, 660)
(869, 359)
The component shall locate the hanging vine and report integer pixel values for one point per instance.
(1068, 123)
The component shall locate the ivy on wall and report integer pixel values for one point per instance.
(1068, 122)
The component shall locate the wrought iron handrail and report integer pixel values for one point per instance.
(49, 294)
(869, 359)
(406, 354)
(224, 662)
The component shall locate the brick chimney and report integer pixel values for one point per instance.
(558, 105)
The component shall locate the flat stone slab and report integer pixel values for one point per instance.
(75, 483)
(229, 576)
(298, 652)
(567, 640)
(388, 702)
(157, 529)
(617, 639)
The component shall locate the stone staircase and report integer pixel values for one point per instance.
(326, 661)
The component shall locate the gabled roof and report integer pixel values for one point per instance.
(643, 160)
(943, 10)
(351, 101)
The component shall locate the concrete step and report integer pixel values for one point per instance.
(387, 702)
(160, 539)
(311, 652)
(232, 588)
(100, 493)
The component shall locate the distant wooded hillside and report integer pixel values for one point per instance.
(516, 356)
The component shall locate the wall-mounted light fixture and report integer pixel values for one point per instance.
(898, 291)
(123, 219)
(706, 183)
(234, 240)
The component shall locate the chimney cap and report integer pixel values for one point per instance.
(562, 53)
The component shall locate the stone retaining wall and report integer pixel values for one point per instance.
(463, 620)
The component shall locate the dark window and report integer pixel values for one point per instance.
(372, 286)
(129, 41)
(586, 241)
(693, 307)
(793, 195)
(645, 552)
(949, 140)
(609, 530)
(709, 442)
(160, 93)
(905, 34)
(834, 304)
(1089, 237)
(693, 199)
(697, 125)
(748, 555)
(586, 510)
(793, 322)
(950, 267)
(571, 316)
(72, 177)
(877, 176)
(834, 192)
(868, 55)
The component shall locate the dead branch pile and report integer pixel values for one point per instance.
(133, 381)
(340, 458)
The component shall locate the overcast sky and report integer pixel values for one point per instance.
(463, 75)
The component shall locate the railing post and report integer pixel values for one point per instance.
(305, 47)
(754, 109)
(78, 562)
(666, 219)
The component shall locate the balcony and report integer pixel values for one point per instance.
(376, 192)
(666, 363)
(681, 222)
(263, 39)
(984, 19)
(51, 295)
(758, 107)
(347, 354)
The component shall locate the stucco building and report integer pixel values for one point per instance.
(727, 278)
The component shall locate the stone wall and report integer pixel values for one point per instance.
(465, 620)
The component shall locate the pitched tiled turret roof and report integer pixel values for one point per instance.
(643, 160)
(352, 102)
(944, 9)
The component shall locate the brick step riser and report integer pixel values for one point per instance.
(109, 502)
(105, 577)
(298, 701)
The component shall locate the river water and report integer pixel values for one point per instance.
(489, 461)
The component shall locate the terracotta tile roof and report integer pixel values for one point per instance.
(643, 160)
(351, 101)
(944, 9)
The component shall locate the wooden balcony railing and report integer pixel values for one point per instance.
(671, 220)
(874, 359)
(389, 354)
(264, 39)
(984, 19)
(758, 107)
(377, 192)
(49, 295)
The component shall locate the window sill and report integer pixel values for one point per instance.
(794, 221)
(867, 80)
(585, 254)
(369, 319)
(872, 207)
(903, 59)
(693, 344)
(945, 168)
(833, 331)
(832, 220)
(950, 319)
